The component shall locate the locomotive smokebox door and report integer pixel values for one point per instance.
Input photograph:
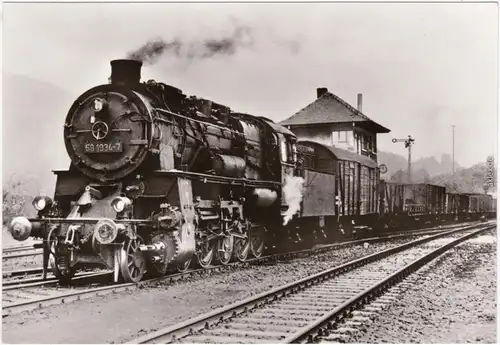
(109, 132)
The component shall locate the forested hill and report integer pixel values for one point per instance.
(431, 165)
(470, 180)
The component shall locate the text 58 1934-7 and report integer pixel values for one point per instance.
(103, 147)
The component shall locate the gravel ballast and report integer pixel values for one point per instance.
(453, 301)
(124, 316)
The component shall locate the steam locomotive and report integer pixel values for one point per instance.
(159, 181)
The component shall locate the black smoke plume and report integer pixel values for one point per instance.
(152, 50)
(208, 48)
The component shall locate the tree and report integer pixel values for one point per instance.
(15, 198)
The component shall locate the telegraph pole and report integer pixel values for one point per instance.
(408, 144)
(453, 153)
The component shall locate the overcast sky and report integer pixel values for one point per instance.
(420, 67)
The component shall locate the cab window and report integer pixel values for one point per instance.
(284, 151)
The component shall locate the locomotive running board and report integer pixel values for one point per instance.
(217, 179)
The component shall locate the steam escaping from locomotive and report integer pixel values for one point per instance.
(293, 191)
(151, 51)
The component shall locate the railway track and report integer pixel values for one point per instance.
(22, 273)
(38, 271)
(34, 275)
(32, 251)
(20, 249)
(28, 295)
(310, 309)
(22, 254)
(52, 280)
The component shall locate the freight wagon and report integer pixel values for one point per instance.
(340, 192)
(480, 206)
(407, 204)
(457, 205)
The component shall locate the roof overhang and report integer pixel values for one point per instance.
(341, 154)
(368, 125)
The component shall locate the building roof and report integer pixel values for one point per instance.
(330, 108)
(343, 155)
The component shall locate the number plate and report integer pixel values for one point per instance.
(112, 147)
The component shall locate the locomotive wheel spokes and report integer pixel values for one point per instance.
(241, 248)
(257, 240)
(63, 274)
(206, 253)
(132, 261)
(61, 271)
(184, 266)
(225, 249)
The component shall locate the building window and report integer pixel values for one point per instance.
(358, 141)
(339, 137)
(350, 139)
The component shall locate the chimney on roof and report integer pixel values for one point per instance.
(360, 102)
(320, 91)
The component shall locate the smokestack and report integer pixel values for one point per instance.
(126, 72)
(360, 102)
(320, 91)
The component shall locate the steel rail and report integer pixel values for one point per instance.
(72, 296)
(204, 321)
(39, 252)
(14, 256)
(20, 248)
(25, 272)
(417, 232)
(317, 250)
(322, 326)
(25, 283)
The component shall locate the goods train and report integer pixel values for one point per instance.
(159, 181)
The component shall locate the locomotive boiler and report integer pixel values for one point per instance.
(157, 179)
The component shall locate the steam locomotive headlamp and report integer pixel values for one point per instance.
(120, 203)
(106, 231)
(41, 202)
(98, 104)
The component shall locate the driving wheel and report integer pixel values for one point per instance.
(59, 265)
(132, 261)
(61, 270)
(225, 249)
(184, 266)
(241, 248)
(257, 240)
(206, 252)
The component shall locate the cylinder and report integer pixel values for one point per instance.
(230, 166)
(126, 72)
